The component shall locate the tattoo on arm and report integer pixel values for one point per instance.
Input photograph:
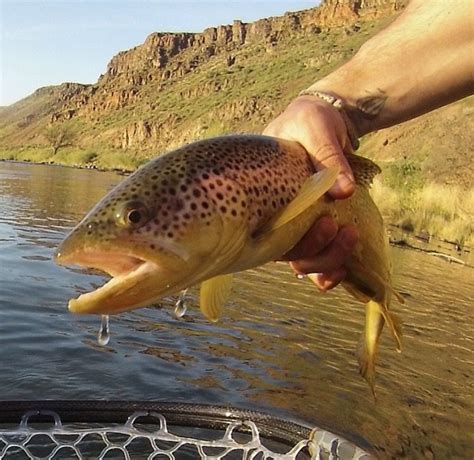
(372, 105)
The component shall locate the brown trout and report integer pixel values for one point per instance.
(209, 209)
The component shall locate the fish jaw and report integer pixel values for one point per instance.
(113, 263)
(137, 281)
(123, 292)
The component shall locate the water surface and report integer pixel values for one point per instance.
(280, 346)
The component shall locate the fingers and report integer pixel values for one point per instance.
(324, 142)
(320, 129)
(326, 281)
(326, 151)
(315, 240)
(330, 259)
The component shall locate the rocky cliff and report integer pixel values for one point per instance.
(135, 79)
(177, 87)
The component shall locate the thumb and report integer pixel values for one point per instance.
(326, 151)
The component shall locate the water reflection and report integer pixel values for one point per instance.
(280, 346)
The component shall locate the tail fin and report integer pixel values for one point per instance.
(367, 366)
(367, 352)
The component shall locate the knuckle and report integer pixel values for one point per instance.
(327, 151)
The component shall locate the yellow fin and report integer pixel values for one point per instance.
(367, 352)
(314, 188)
(364, 170)
(213, 295)
(394, 323)
(396, 329)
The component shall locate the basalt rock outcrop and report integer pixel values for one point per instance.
(126, 106)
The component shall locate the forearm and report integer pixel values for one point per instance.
(424, 60)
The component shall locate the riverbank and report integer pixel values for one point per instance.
(76, 157)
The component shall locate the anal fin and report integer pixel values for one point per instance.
(213, 295)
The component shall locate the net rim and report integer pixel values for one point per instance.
(178, 413)
(196, 415)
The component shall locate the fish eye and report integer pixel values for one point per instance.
(132, 214)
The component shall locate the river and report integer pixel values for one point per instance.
(280, 346)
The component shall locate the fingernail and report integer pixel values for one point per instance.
(344, 186)
(319, 281)
(299, 274)
(346, 182)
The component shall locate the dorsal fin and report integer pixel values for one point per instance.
(364, 169)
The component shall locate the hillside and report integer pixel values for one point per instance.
(179, 87)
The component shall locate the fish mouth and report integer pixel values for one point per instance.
(112, 263)
(131, 285)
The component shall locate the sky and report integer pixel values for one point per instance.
(47, 42)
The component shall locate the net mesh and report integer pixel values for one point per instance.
(41, 434)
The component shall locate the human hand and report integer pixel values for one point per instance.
(320, 129)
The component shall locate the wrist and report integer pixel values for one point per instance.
(360, 113)
(349, 116)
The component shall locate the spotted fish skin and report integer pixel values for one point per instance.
(219, 206)
(191, 212)
(240, 177)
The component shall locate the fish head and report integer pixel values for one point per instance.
(151, 234)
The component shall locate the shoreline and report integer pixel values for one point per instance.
(90, 167)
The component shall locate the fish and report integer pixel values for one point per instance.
(214, 207)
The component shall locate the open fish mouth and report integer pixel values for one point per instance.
(112, 263)
(128, 289)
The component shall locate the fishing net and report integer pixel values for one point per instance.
(146, 430)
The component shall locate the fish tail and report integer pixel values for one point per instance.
(367, 351)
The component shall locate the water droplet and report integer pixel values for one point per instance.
(103, 336)
(300, 276)
(180, 307)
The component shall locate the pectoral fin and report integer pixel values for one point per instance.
(213, 295)
(313, 189)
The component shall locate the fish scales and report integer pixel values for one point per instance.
(218, 206)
